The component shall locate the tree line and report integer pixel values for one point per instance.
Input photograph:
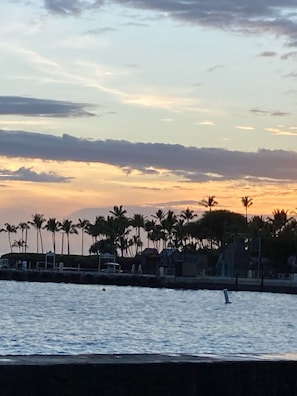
(123, 235)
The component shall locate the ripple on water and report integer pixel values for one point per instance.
(50, 318)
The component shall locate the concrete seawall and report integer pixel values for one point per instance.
(203, 282)
(148, 375)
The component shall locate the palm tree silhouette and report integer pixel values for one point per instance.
(24, 229)
(19, 244)
(279, 220)
(168, 224)
(149, 226)
(209, 202)
(53, 226)
(10, 229)
(69, 228)
(246, 202)
(137, 222)
(118, 211)
(160, 215)
(82, 225)
(188, 215)
(37, 222)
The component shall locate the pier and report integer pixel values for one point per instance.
(125, 279)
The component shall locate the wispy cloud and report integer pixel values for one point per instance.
(206, 123)
(268, 54)
(292, 75)
(28, 174)
(245, 127)
(101, 30)
(276, 113)
(280, 131)
(289, 55)
(279, 113)
(215, 67)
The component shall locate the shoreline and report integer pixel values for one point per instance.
(171, 282)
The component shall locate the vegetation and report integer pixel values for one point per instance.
(127, 237)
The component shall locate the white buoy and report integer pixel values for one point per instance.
(226, 294)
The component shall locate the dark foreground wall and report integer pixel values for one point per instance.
(143, 375)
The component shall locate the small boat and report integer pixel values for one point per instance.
(112, 268)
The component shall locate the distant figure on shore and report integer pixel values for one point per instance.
(139, 269)
(133, 269)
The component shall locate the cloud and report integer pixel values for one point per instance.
(213, 68)
(245, 128)
(275, 17)
(99, 31)
(65, 7)
(275, 113)
(279, 113)
(289, 55)
(188, 163)
(259, 111)
(19, 105)
(268, 54)
(280, 131)
(27, 174)
(207, 123)
(292, 75)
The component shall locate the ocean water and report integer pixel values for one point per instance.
(52, 318)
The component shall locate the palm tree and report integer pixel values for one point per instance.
(180, 233)
(246, 202)
(149, 227)
(53, 226)
(209, 202)
(160, 215)
(10, 229)
(168, 224)
(94, 231)
(82, 225)
(117, 228)
(118, 211)
(188, 215)
(37, 222)
(279, 220)
(24, 229)
(137, 222)
(19, 244)
(69, 228)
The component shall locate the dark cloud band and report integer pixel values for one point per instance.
(253, 16)
(189, 163)
(19, 105)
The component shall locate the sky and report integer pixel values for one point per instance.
(146, 104)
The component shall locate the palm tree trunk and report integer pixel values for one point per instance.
(37, 240)
(62, 244)
(26, 239)
(68, 244)
(9, 241)
(41, 241)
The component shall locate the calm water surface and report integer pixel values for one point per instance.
(52, 318)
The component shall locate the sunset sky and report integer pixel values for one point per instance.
(146, 104)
